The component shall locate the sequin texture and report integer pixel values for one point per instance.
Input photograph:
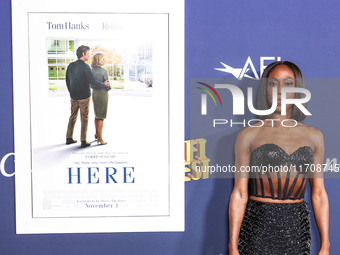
(275, 228)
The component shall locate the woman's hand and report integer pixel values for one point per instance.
(107, 83)
(234, 251)
(323, 252)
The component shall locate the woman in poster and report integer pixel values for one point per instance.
(100, 96)
(267, 213)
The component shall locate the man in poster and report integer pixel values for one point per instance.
(79, 76)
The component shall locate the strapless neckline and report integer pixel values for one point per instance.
(277, 174)
(281, 149)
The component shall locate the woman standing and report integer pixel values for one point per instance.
(100, 96)
(267, 213)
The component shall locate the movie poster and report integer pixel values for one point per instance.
(129, 177)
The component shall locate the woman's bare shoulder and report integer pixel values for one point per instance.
(247, 134)
(313, 133)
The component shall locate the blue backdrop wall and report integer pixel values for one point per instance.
(304, 32)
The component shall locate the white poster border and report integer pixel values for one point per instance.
(25, 223)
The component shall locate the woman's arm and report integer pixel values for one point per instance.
(91, 79)
(106, 78)
(319, 196)
(239, 196)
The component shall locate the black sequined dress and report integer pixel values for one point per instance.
(277, 228)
